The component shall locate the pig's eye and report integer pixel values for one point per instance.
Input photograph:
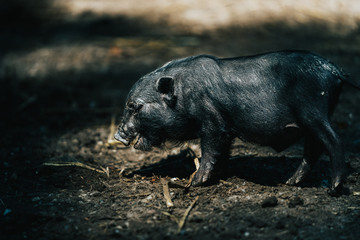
(134, 107)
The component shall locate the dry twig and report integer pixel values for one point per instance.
(122, 171)
(167, 197)
(181, 222)
(137, 195)
(106, 171)
(226, 183)
(71, 164)
(197, 165)
(175, 219)
(186, 214)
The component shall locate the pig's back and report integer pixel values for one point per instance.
(266, 92)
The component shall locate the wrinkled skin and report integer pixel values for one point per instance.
(272, 99)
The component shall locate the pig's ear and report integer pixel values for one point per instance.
(165, 86)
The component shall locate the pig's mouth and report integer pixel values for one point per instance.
(126, 141)
(141, 142)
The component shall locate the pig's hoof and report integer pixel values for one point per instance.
(296, 178)
(336, 191)
(201, 178)
(337, 188)
(293, 181)
(290, 182)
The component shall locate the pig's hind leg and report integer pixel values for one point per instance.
(312, 151)
(318, 128)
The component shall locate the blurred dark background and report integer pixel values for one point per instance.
(64, 61)
(75, 45)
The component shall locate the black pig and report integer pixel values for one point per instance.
(271, 99)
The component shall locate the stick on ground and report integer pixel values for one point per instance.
(106, 170)
(197, 165)
(181, 222)
(77, 164)
(172, 217)
(167, 196)
(186, 214)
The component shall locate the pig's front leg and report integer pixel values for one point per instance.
(215, 154)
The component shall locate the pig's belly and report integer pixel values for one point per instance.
(278, 139)
(285, 138)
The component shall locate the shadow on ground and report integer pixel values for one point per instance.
(266, 171)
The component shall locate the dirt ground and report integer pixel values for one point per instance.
(64, 75)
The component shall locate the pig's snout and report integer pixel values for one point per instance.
(120, 137)
(126, 133)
